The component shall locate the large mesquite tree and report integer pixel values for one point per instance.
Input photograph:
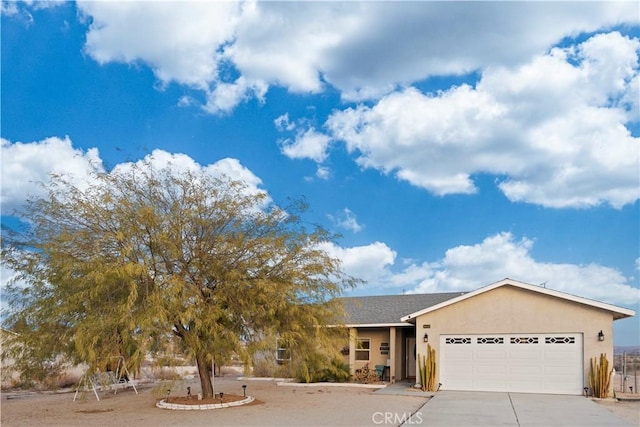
(141, 258)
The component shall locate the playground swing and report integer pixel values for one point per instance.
(96, 380)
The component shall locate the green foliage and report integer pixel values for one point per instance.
(142, 257)
(316, 368)
(600, 376)
(427, 367)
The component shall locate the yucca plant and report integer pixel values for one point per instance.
(600, 376)
(427, 366)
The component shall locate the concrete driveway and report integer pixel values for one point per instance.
(467, 408)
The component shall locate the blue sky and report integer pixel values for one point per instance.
(451, 144)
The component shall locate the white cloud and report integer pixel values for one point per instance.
(323, 172)
(22, 9)
(303, 46)
(226, 96)
(347, 220)
(308, 144)
(178, 162)
(282, 123)
(187, 51)
(468, 267)
(559, 142)
(9, 8)
(186, 101)
(26, 165)
(368, 262)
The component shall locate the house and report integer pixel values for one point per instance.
(507, 336)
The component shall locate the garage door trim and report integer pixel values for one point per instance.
(531, 363)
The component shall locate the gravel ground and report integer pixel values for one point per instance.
(627, 410)
(276, 406)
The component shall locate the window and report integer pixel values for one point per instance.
(283, 353)
(363, 346)
(465, 340)
(490, 340)
(559, 340)
(524, 340)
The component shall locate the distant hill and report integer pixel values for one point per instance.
(626, 349)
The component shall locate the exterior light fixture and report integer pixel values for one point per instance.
(244, 389)
(426, 338)
(601, 336)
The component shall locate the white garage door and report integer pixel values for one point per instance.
(532, 363)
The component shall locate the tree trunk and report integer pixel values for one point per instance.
(205, 376)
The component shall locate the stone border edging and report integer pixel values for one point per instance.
(176, 406)
(356, 385)
(265, 379)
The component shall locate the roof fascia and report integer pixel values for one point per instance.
(618, 312)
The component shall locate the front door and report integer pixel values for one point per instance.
(410, 353)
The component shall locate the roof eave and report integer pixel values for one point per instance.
(618, 312)
(377, 325)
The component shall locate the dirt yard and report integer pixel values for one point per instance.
(627, 410)
(276, 406)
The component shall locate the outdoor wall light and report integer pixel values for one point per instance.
(426, 337)
(601, 336)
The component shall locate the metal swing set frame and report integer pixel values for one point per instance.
(95, 380)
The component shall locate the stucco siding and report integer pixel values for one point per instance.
(398, 366)
(509, 310)
(377, 336)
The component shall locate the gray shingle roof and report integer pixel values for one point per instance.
(389, 308)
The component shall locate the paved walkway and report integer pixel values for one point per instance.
(460, 408)
(404, 388)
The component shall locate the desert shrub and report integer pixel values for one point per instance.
(336, 372)
(162, 373)
(263, 365)
(166, 388)
(319, 368)
(68, 380)
(266, 365)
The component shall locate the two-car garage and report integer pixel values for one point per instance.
(534, 363)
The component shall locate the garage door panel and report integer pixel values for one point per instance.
(525, 356)
(491, 371)
(539, 363)
(461, 356)
(530, 370)
(488, 355)
(490, 385)
(557, 370)
(528, 386)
